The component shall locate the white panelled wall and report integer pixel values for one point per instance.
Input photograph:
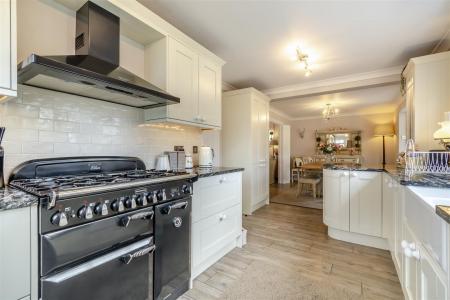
(41, 123)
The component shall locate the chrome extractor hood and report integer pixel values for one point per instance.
(94, 70)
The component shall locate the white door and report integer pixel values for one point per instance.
(410, 264)
(432, 282)
(5, 48)
(336, 199)
(183, 82)
(209, 92)
(366, 203)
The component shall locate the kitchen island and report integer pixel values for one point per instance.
(407, 214)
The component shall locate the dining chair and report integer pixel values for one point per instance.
(297, 162)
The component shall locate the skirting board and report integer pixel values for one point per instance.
(356, 238)
(259, 204)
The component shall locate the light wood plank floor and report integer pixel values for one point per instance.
(296, 235)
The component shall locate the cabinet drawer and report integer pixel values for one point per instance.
(428, 227)
(212, 234)
(214, 194)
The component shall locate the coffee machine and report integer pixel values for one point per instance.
(2, 154)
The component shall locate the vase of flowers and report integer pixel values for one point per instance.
(329, 150)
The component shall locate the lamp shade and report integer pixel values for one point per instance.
(384, 130)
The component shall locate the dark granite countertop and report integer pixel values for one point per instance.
(418, 179)
(354, 167)
(11, 198)
(205, 172)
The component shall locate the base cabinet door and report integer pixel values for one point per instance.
(410, 264)
(398, 232)
(15, 253)
(336, 211)
(366, 203)
(212, 234)
(432, 283)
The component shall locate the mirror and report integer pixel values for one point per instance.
(349, 141)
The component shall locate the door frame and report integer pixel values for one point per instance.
(284, 151)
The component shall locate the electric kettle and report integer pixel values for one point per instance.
(205, 157)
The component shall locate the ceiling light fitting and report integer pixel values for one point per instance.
(329, 112)
(304, 59)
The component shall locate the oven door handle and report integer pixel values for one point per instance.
(125, 221)
(127, 259)
(180, 205)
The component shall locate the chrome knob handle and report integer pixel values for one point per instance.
(88, 214)
(59, 219)
(101, 209)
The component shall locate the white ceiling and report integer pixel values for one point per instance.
(382, 99)
(345, 37)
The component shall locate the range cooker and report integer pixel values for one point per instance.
(109, 228)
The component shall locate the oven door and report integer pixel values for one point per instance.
(70, 245)
(172, 256)
(125, 273)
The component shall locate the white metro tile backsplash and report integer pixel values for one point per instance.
(41, 123)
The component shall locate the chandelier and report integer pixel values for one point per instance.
(304, 59)
(329, 112)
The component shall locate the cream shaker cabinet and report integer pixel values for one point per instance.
(353, 207)
(426, 93)
(18, 253)
(8, 61)
(196, 80)
(245, 140)
(336, 204)
(216, 219)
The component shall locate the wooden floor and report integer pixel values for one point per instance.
(296, 235)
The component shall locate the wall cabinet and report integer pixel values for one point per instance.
(216, 219)
(18, 248)
(427, 94)
(353, 201)
(194, 78)
(8, 50)
(245, 140)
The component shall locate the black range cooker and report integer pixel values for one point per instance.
(109, 228)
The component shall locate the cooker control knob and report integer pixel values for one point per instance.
(141, 200)
(187, 189)
(161, 195)
(59, 219)
(117, 205)
(130, 202)
(85, 212)
(151, 197)
(101, 209)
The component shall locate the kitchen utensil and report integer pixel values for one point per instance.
(206, 156)
(162, 163)
(189, 162)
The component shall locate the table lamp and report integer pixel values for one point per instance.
(384, 130)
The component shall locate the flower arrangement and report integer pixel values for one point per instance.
(328, 148)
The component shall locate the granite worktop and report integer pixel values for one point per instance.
(418, 179)
(11, 198)
(206, 172)
(354, 167)
(399, 174)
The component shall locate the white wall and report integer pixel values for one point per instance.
(371, 146)
(41, 123)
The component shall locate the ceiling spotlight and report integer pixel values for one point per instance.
(304, 59)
